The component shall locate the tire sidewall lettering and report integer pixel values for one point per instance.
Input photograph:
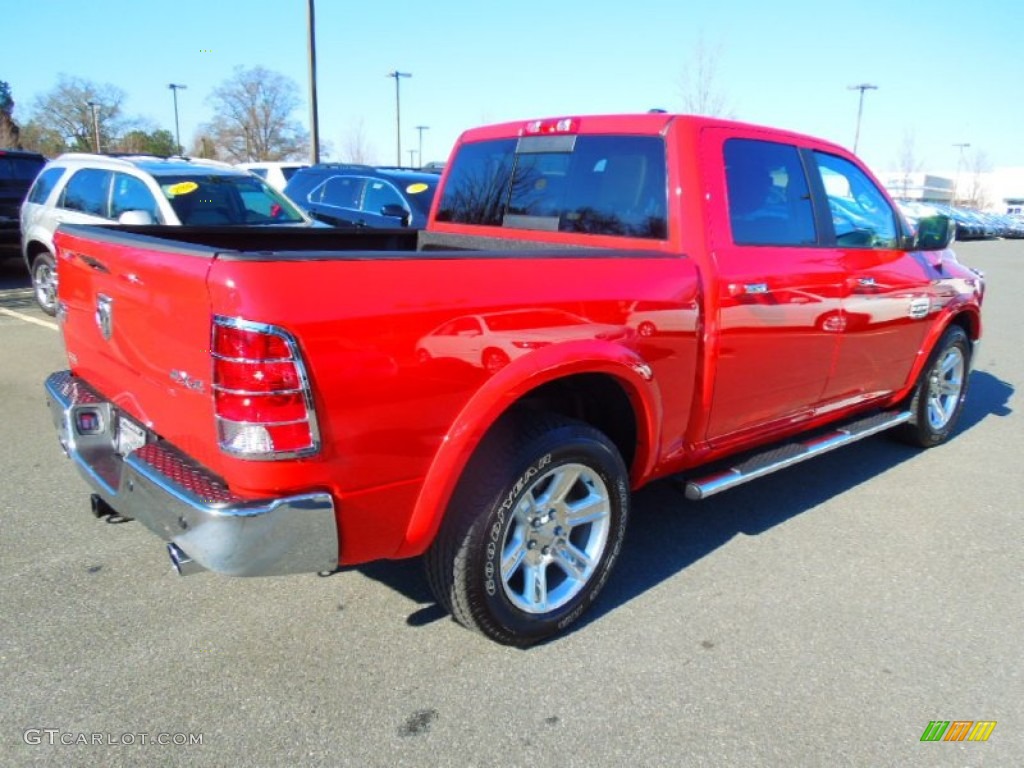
(490, 568)
(497, 530)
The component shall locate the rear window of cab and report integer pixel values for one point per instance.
(597, 185)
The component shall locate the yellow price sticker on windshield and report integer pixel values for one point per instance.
(182, 188)
(414, 189)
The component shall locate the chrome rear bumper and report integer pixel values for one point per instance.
(183, 502)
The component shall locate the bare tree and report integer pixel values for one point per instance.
(204, 147)
(356, 148)
(979, 167)
(908, 163)
(63, 117)
(252, 117)
(699, 84)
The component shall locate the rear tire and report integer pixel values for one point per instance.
(533, 529)
(940, 391)
(44, 282)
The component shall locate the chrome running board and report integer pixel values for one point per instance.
(788, 454)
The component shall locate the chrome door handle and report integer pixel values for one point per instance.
(865, 282)
(755, 288)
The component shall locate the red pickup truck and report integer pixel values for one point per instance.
(597, 301)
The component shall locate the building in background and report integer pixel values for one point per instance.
(999, 191)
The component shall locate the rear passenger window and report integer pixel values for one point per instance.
(87, 191)
(769, 200)
(44, 184)
(339, 191)
(861, 216)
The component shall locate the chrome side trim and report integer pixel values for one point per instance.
(780, 457)
(185, 504)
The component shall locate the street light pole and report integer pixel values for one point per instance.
(421, 129)
(860, 108)
(959, 164)
(175, 87)
(95, 124)
(398, 114)
(314, 123)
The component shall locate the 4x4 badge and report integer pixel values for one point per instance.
(105, 315)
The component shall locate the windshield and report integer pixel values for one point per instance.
(218, 199)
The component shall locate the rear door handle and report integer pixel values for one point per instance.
(865, 282)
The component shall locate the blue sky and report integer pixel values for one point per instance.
(948, 72)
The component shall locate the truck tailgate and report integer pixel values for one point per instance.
(136, 322)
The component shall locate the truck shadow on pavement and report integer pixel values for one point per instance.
(667, 533)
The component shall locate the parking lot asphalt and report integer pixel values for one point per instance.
(822, 616)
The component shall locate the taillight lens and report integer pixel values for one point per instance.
(262, 398)
(255, 376)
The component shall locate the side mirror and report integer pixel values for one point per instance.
(136, 217)
(934, 233)
(397, 211)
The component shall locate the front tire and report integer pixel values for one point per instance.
(941, 389)
(533, 529)
(44, 282)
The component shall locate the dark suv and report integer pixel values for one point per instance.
(364, 196)
(17, 170)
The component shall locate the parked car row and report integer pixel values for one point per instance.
(343, 194)
(970, 224)
(364, 196)
(82, 188)
(85, 188)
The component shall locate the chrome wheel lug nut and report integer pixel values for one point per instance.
(546, 551)
(531, 544)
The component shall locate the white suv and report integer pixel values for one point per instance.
(99, 189)
(276, 174)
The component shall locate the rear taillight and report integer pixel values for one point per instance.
(262, 399)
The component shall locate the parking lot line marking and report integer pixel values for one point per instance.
(29, 318)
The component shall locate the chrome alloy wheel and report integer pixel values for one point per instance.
(945, 386)
(44, 281)
(555, 539)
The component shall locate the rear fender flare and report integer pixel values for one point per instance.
(508, 386)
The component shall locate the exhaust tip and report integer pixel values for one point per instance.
(100, 508)
(183, 564)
